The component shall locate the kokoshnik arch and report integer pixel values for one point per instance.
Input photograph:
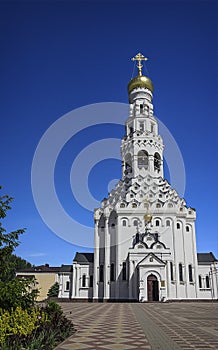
(145, 239)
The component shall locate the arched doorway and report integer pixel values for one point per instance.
(152, 288)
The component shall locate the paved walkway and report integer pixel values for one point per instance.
(153, 326)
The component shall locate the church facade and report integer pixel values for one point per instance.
(144, 236)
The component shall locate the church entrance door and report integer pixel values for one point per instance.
(152, 288)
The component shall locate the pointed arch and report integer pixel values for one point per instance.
(157, 161)
(142, 159)
(128, 163)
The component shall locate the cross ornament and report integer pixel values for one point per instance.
(139, 57)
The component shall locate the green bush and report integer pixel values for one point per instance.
(37, 329)
(53, 290)
(17, 293)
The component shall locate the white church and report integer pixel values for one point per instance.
(145, 239)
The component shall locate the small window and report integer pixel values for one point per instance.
(124, 271)
(83, 280)
(152, 127)
(187, 228)
(168, 223)
(67, 286)
(157, 223)
(190, 273)
(207, 282)
(140, 246)
(178, 225)
(91, 281)
(141, 126)
(200, 281)
(158, 246)
(171, 271)
(135, 223)
(122, 205)
(180, 273)
(141, 108)
(134, 205)
(101, 273)
(124, 222)
(158, 205)
(170, 205)
(112, 272)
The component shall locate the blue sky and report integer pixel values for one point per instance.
(59, 56)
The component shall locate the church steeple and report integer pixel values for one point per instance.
(142, 146)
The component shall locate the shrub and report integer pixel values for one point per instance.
(53, 290)
(20, 322)
(34, 329)
(17, 293)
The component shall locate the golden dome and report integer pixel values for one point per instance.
(140, 81)
(147, 218)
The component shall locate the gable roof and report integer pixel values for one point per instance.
(66, 268)
(41, 268)
(84, 257)
(206, 258)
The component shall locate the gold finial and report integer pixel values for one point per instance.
(139, 57)
(147, 217)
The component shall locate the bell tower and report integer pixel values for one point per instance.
(142, 146)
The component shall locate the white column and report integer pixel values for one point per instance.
(131, 271)
(96, 262)
(168, 281)
(77, 281)
(107, 261)
(73, 282)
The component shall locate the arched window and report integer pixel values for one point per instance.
(190, 273)
(135, 223)
(157, 162)
(207, 282)
(122, 205)
(101, 273)
(134, 205)
(200, 281)
(83, 280)
(180, 273)
(170, 205)
(141, 108)
(187, 228)
(168, 223)
(128, 163)
(158, 205)
(124, 271)
(178, 225)
(171, 271)
(91, 281)
(124, 222)
(143, 159)
(157, 223)
(67, 286)
(112, 271)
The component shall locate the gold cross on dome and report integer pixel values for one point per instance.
(139, 57)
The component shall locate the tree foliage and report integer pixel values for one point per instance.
(8, 241)
(53, 290)
(14, 292)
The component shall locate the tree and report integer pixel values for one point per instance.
(13, 291)
(8, 241)
(53, 290)
(14, 264)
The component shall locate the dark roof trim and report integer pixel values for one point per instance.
(84, 258)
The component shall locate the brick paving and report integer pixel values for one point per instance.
(153, 326)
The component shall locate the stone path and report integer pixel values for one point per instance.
(153, 326)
